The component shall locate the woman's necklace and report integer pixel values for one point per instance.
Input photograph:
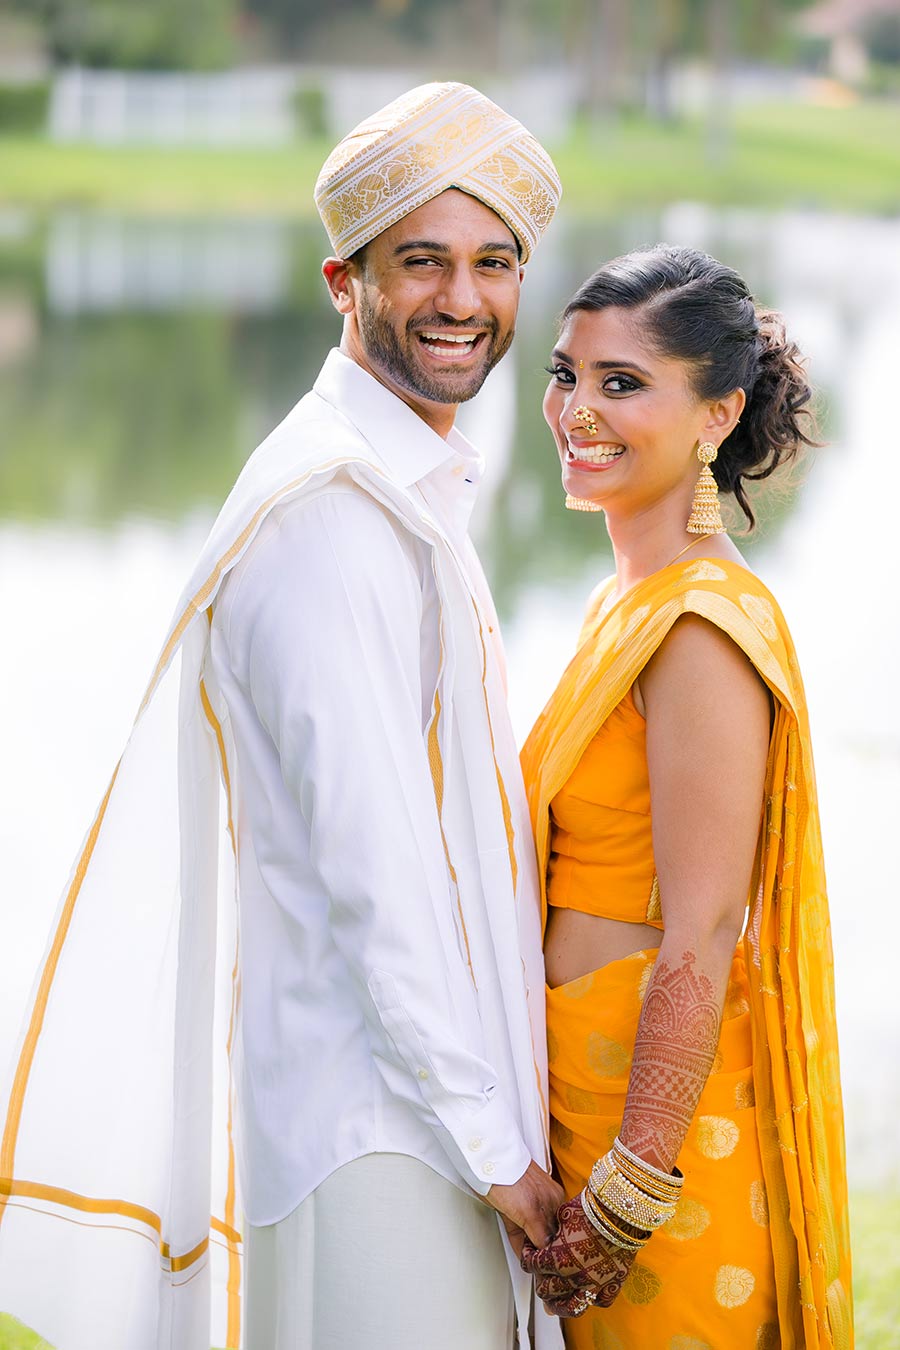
(701, 538)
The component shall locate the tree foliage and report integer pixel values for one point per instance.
(141, 34)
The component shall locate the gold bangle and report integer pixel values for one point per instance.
(609, 1166)
(625, 1156)
(607, 1230)
(626, 1200)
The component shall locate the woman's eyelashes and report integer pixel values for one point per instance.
(561, 374)
(616, 383)
(620, 384)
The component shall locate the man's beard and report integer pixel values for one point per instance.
(389, 355)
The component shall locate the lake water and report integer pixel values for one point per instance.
(141, 360)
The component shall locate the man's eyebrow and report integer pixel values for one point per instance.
(432, 246)
(423, 245)
(560, 355)
(503, 246)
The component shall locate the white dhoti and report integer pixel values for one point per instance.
(384, 1255)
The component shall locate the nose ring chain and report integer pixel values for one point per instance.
(586, 419)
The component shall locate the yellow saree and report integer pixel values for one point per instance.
(783, 976)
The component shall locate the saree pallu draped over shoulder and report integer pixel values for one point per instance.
(787, 943)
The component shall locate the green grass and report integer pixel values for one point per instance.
(875, 1227)
(875, 1235)
(15, 1336)
(844, 158)
(836, 157)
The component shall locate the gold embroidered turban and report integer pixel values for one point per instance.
(435, 137)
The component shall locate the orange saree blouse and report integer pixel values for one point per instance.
(787, 943)
(601, 859)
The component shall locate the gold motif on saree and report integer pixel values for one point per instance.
(579, 988)
(561, 1136)
(583, 1103)
(631, 627)
(641, 1285)
(760, 612)
(604, 1339)
(717, 1136)
(759, 1204)
(644, 981)
(690, 1220)
(704, 570)
(734, 1285)
(736, 1004)
(654, 904)
(606, 1057)
(745, 1095)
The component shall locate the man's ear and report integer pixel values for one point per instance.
(336, 272)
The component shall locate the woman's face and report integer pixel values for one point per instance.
(648, 420)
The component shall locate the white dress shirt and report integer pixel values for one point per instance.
(357, 1034)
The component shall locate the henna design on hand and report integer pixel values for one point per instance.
(674, 1050)
(575, 1263)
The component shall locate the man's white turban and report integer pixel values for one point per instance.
(435, 137)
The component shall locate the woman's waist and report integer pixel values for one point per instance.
(576, 942)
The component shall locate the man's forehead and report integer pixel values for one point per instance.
(451, 218)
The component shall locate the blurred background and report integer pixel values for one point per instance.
(161, 309)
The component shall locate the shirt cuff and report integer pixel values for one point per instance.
(489, 1148)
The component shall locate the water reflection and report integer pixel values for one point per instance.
(139, 361)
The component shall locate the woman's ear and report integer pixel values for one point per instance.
(723, 415)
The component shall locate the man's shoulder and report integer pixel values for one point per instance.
(332, 523)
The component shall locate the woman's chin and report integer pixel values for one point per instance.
(575, 486)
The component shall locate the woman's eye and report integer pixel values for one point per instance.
(561, 374)
(620, 384)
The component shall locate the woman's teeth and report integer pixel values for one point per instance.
(597, 454)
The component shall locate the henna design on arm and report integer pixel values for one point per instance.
(673, 1053)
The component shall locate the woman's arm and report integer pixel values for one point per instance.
(707, 714)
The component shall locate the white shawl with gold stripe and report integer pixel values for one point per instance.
(119, 1200)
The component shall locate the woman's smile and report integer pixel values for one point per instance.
(593, 455)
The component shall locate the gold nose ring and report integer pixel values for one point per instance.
(586, 419)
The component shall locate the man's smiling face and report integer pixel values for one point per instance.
(434, 301)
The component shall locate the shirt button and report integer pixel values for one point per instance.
(488, 1169)
(475, 1144)
(423, 1074)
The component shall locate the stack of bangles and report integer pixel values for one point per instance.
(623, 1186)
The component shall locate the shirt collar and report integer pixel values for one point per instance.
(406, 445)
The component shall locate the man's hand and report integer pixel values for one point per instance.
(528, 1207)
(578, 1268)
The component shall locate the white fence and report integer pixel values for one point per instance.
(258, 107)
(114, 107)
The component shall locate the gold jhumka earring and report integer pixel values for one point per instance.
(705, 516)
(587, 420)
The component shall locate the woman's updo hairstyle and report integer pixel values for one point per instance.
(697, 310)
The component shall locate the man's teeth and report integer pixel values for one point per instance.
(430, 339)
(598, 454)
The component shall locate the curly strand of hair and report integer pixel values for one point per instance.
(777, 420)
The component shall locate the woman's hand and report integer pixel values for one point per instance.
(578, 1269)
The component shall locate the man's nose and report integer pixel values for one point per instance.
(458, 295)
